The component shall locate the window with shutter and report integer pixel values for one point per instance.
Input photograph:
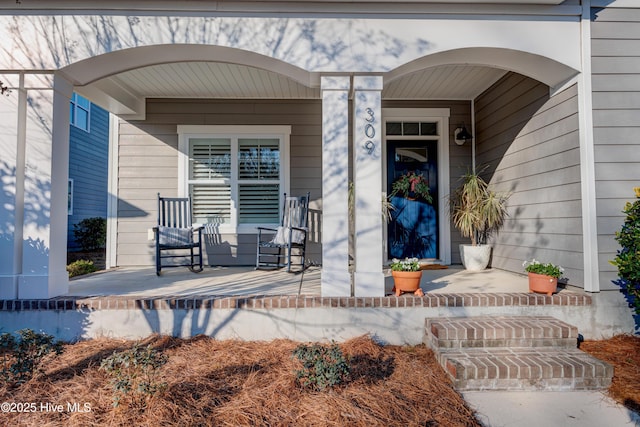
(236, 176)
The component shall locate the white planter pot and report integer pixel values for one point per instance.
(475, 258)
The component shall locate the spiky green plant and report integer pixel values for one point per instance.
(476, 210)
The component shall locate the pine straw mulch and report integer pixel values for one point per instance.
(240, 383)
(623, 352)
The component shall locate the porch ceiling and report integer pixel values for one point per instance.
(124, 93)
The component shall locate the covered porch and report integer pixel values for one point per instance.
(335, 125)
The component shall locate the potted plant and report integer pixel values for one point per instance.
(477, 212)
(543, 277)
(406, 276)
(411, 186)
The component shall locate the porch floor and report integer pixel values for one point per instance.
(246, 281)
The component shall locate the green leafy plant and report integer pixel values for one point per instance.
(91, 233)
(627, 259)
(80, 267)
(411, 184)
(134, 373)
(322, 366)
(407, 264)
(476, 210)
(547, 269)
(23, 352)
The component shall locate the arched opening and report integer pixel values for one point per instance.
(522, 110)
(121, 80)
(153, 90)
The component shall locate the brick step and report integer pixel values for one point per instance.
(514, 353)
(499, 331)
(525, 369)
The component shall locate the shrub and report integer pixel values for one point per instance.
(22, 354)
(628, 257)
(322, 366)
(91, 233)
(134, 373)
(80, 267)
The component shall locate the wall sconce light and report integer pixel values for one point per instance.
(461, 135)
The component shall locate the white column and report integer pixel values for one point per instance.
(112, 192)
(367, 153)
(587, 160)
(336, 280)
(13, 112)
(44, 231)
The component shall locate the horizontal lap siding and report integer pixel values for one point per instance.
(529, 145)
(148, 164)
(615, 61)
(88, 167)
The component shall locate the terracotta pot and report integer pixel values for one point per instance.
(407, 281)
(542, 283)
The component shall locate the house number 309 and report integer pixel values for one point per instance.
(369, 131)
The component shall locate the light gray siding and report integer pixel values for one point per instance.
(148, 164)
(616, 124)
(529, 144)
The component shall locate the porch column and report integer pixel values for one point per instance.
(587, 160)
(13, 110)
(336, 280)
(43, 240)
(367, 153)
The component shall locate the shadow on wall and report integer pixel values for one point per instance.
(35, 252)
(36, 214)
(286, 39)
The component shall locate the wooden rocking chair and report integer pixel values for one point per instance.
(276, 245)
(175, 233)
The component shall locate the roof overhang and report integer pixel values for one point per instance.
(79, 6)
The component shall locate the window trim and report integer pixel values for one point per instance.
(282, 132)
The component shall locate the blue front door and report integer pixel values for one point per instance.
(413, 228)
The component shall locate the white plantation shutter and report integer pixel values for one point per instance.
(234, 180)
(259, 159)
(211, 203)
(209, 177)
(209, 158)
(258, 180)
(259, 203)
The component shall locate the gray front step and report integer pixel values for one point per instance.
(514, 353)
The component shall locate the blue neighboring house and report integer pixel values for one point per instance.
(88, 164)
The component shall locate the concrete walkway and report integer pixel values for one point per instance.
(549, 409)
